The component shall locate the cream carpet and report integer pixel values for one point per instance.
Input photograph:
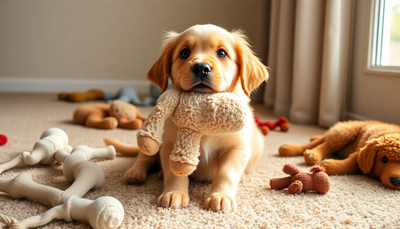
(354, 201)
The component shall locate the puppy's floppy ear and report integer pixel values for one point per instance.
(251, 71)
(159, 72)
(366, 156)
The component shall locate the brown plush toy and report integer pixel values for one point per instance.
(370, 147)
(109, 116)
(92, 94)
(317, 180)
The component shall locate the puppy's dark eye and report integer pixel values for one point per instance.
(385, 159)
(221, 53)
(184, 53)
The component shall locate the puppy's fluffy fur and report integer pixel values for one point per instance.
(209, 59)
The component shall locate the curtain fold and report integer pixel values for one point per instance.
(309, 59)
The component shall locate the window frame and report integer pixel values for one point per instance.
(372, 40)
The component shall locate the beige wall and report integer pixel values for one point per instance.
(372, 95)
(90, 39)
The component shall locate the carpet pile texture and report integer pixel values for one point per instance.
(354, 201)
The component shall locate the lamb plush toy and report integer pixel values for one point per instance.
(195, 114)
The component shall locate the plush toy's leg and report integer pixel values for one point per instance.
(95, 116)
(289, 150)
(130, 124)
(138, 172)
(184, 157)
(98, 119)
(122, 149)
(341, 167)
(295, 187)
(280, 183)
(335, 139)
(175, 193)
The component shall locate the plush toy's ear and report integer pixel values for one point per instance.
(251, 71)
(159, 72)
(366, 156)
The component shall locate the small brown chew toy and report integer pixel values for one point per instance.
(317, 180)
(267, 126)
(106, 116)
(195, 114)
(370, 147)
(92, 94)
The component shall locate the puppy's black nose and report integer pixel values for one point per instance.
(395, 181)
(201, 70)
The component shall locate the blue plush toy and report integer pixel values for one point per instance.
(129, 94)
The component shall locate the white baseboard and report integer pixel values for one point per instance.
(69, 85)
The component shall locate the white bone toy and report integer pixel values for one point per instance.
(43, 151)
(103, 213)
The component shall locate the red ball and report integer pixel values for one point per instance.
(3, 139)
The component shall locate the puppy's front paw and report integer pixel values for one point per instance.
(135, 176)
(173, 199)
(220, 202)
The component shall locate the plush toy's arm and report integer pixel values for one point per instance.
(150, 136)
(280, 183)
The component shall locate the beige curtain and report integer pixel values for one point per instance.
(308, 57)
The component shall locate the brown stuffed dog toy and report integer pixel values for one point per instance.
(298, 181)
(109, 116)
(370, 147)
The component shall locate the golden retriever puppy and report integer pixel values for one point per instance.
(207, 59)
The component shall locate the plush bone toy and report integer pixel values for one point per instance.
(195, 114)
(43, 151)
(103, 213)
(298, 181)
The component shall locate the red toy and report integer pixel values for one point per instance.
(317, 180)
(3, 139)
(266, 126)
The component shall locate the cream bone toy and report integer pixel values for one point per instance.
(43, 151)
(105, 212)
(195, 114)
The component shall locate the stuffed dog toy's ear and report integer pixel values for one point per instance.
(159, 72)
(251, 71)
(367, 155)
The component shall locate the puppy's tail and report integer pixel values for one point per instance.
(122, 149)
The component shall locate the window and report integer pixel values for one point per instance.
(385, 36)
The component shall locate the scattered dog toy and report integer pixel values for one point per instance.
(195, 114)
(103, 213)
(43, 151)
(92, 94)
(317, 180)
(266, 126)
(3, 139)
(370, 147)
(109, 116)
(126, 94)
